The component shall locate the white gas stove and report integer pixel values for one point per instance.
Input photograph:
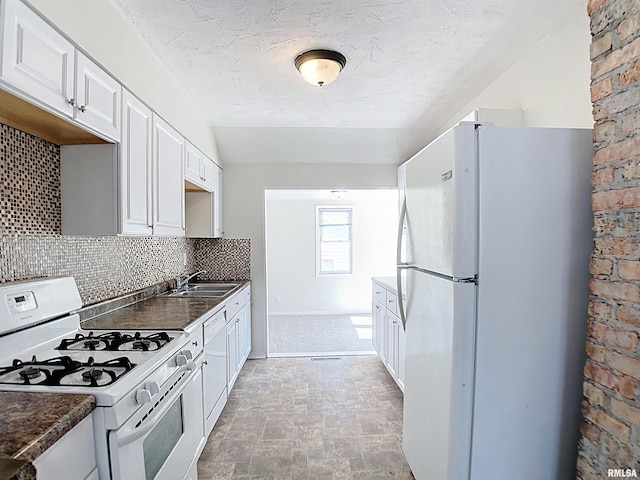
(141, 379)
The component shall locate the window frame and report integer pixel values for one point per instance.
(319, 241)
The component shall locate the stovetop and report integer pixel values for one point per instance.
(43, 348)
(83, 359)
(65, 371)
(116, 341)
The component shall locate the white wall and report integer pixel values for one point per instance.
(293, 287)
(101, 31)
(244, 186)
(550, 84)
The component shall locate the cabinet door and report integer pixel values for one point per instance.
(247, 330)
(240, 339)
(381, 332)
(78, 444)
(374, 325)
(135, 167)
(35, 58)
(402, 340)
(217, 203)
(208, 174)
(215, 355)
(168, 184)
(193, 159)
(98, 98)
(232, 353)
(390, 344)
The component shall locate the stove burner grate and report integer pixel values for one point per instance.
(64, 371)
(116, 341)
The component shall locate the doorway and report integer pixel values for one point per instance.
(322, 248)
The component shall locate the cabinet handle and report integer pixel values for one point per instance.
(72, 102)
(205, 363)
(195, 343)
(82, 108)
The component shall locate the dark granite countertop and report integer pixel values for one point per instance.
(11, 469)
(31, 422)
(157, 313)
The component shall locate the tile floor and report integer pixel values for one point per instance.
(291, 335)
(297, 418)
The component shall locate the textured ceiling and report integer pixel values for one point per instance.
(408, 61)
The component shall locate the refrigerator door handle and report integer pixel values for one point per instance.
(403, 216)
(403, 317)
(401, 266)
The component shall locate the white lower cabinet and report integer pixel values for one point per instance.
(387, 330)
(214, 369)
(227, 344)
(232, 352)
(77, 444)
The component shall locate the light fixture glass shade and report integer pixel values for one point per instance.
(320, 67)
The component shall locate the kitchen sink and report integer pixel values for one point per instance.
(203, 290)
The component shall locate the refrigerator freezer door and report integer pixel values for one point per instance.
(441, 204)
(535, 241)
(439, 376)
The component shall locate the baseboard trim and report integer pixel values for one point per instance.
(321, 354)
(292, 314)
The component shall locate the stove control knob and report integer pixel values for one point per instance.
(153, 388)
(188, 354)
(181, 360)
(143, 396)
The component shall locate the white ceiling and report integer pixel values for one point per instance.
(409, 62)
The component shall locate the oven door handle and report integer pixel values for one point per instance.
(152, 422)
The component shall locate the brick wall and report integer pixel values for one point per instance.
(611, 410)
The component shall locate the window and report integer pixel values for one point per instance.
(334, 240)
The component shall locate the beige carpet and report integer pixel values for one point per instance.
(319, 334)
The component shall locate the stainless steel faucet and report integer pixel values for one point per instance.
(181, 281)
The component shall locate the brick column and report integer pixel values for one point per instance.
(611, 409)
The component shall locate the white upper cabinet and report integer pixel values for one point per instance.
(217, 203)
(199, 169)
(168, 183)
(37, 59)
(135, 167)
(208, 174)
(193, 164)
(204, 194)
(97, 98)
(41, 64)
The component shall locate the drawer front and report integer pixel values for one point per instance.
(379, 294)
(234, 304)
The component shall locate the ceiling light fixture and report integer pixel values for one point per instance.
(320, 67)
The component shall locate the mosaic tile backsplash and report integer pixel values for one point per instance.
(223, 258)
(30, 183)
(31, 245)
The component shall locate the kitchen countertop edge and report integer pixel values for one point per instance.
(159, 313)
(45, 427)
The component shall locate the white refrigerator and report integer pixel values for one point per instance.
(495, 272)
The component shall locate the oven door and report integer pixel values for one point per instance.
(163, 443)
